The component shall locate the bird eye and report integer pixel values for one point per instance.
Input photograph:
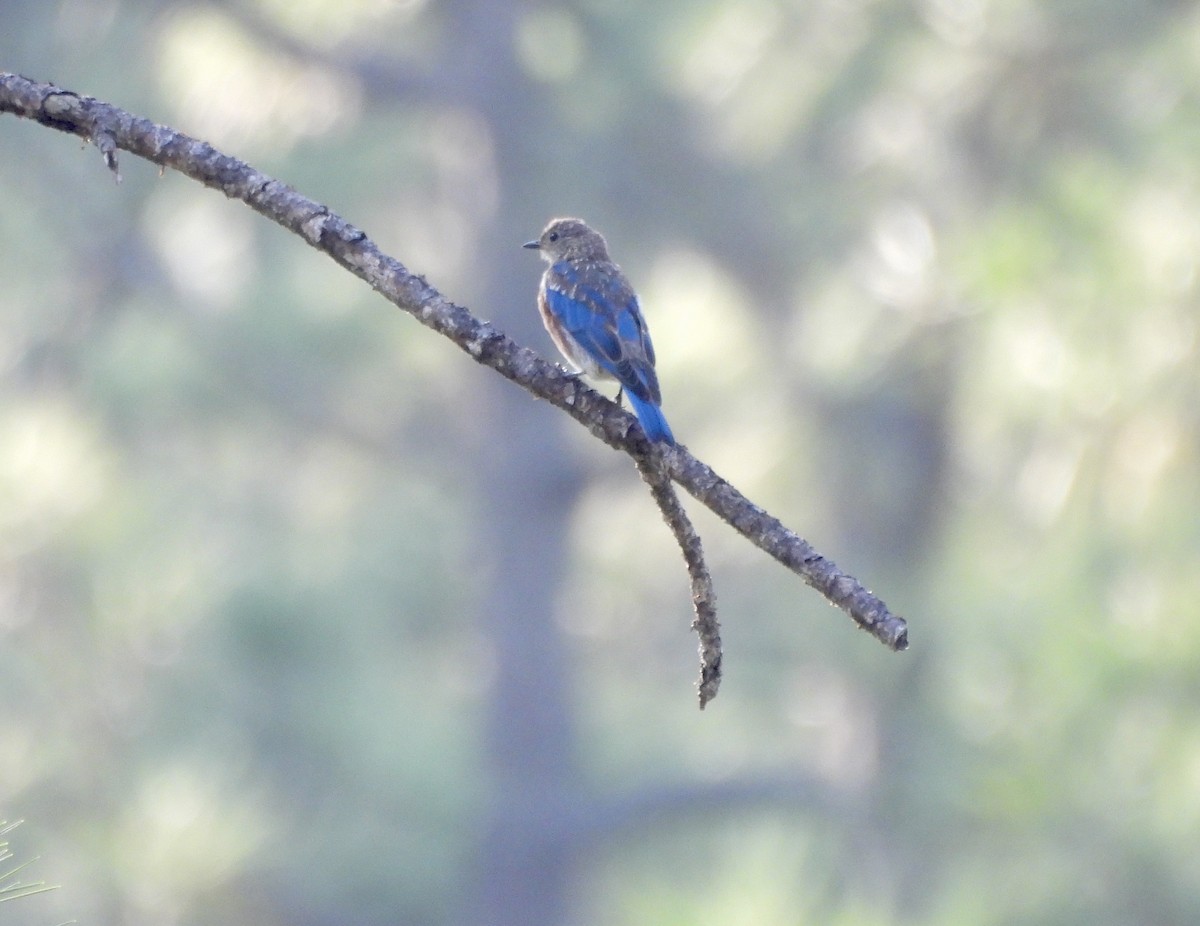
(553, 236)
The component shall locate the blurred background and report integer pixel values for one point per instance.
(306, 619)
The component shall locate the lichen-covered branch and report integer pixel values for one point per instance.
(789, 548)
(111, 129)
(704, 598)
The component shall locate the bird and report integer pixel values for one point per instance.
(592, 315)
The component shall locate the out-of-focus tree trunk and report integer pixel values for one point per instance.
(528, 487)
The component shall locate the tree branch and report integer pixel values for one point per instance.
(110, 129)
(704, 599)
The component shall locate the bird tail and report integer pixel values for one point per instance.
(651, 417)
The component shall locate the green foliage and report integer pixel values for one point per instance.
(12, 885)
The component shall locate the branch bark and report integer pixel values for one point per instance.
(704, 599)
(110, 128)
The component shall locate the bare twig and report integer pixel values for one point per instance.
(110, 128)
(704, 599)
(789, 548)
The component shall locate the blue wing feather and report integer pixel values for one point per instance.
(600, 313)
(587, 327)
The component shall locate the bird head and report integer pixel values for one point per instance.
(570, 239)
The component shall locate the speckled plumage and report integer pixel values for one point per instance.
(592, 315)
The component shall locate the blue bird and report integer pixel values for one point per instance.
(592, 315)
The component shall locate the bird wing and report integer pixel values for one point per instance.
(600, 311)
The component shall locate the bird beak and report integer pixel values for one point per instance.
(531, 244)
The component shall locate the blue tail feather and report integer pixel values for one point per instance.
(651, 417)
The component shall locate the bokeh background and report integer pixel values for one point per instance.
(306, 619)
